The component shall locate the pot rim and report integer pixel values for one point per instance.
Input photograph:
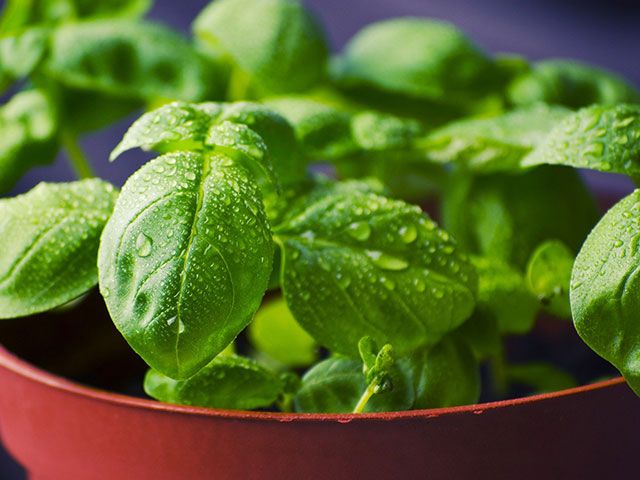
(30, 372)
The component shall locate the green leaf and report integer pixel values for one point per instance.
(445, 375)
(549, 276)
(185, 259)
(481, 334)
(419, 58)
(276, 333)
(336, 384)
(604, 286)
(28, 135)
(18, 14)
(243, 127)
(542, 377)
(504, 216)
(323, 131)
(20, 54)
(128, 59)
(229, 382)
(570, 83)
(359, 264)
(599, 137)
(504, 295)
(275, 46)
(493, 144)
(49, 241)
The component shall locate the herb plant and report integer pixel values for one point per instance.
(243, 277)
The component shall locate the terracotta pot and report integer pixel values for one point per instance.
(60, 430)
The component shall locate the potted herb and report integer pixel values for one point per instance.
(246, 280)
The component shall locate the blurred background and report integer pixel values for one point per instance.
(604, 32)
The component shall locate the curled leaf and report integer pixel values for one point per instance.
(604, 286)
(359, 264)
(49, 240)
(188, 233)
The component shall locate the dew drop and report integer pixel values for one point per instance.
(408, 233)
(388, 283)
(143, 245)
(419, 284)
(386, 262)
(343, 281)
(190, 176)
(181, 327)
(361, 231)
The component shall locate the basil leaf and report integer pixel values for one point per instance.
(274, 45)
(336, 384)
(276, 333)
(418, 58)
(188, 234)
(570, 83)
(229, 382)
(504, 216)
(129, 59)
(445, 375)
(18, 14)
(227, 127)
(481, 334)
(28, 127)
(604, 286)
(493, 144)
(20, 54)
(542, 377)
(605, 138)
(359, 264)
(323, 131)
(49, 240)
(504, 295)
(549, 276)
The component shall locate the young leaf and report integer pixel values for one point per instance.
(418, 58)
(504, 216)
(445, 375)
(229, 381)
(276, 333)
(570, 83)
(185, 259)
(549, 276)
(604, 286)
(504, 295)
(127, 59)
(275, 45)
(359, 264)
(493, 144)
(29, 127)
(49, 241)
(336, 385)
(243, 127)
(605, 138)
(542, 377)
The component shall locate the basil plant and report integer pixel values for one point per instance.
(247, 279)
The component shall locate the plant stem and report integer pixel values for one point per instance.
(364, 399)
(78, 160)
(498, 372)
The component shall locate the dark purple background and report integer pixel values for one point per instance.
(605, 32)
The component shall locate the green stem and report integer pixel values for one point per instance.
(364, 399)
(76, 156)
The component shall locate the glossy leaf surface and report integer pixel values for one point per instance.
(185, 259)
(359, 264)
(49, 241)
